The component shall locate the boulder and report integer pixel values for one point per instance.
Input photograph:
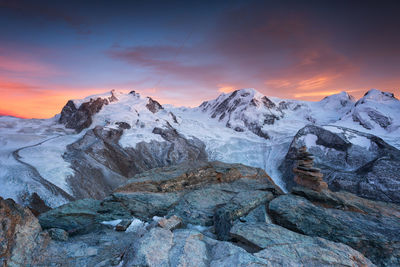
(282, 247)
(20, 234)
(349, 160)
(82, 216)
(370, 227)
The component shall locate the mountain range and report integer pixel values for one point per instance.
(95, 144)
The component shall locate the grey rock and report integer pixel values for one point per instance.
(151, 250)
(160, 247)
(282, 247)
(58, 234)
(369, 171)
(259, 214)
(82, 216)
(101, 249)
(370, 227)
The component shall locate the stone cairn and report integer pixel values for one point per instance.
(305, 174)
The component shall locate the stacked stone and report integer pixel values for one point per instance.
(306, 174)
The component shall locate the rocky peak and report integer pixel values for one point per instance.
(81, 118)
(153, 105)
(243, 109)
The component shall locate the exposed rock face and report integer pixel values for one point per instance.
(282, 247)
(160, 247)
(103, 248)
(101, 164)
(153, 105)
(212, 193)
(20, 234)
(81, 117)
(350, 160)
(306, 174)
(239, 109)
(370, 227)
(82, 216)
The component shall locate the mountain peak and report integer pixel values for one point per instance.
(377, 95)
(342, 97)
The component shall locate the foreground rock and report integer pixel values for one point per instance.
(20, 234)
(103, 248)
(357, 162)
(82, 216)
(370, 227)
(160, 247)
(212, 193)
(282, 247)
(206, 194)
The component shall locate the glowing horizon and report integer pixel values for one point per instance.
(183, 54)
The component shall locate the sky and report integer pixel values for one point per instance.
(185, 52)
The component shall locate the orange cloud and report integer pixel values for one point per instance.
(226, 88)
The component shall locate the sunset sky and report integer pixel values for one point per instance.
(184, 52)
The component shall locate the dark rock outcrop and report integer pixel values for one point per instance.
(349, 160)
(81, 118)
(20, 234)
(370, 227)
(283, 247)
(82, 216)
(101, 163)
(36, 204)
(153, 105)
(212, 193)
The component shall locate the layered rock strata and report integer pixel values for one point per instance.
(306, 174)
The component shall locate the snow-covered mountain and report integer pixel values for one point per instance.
(98, 142)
